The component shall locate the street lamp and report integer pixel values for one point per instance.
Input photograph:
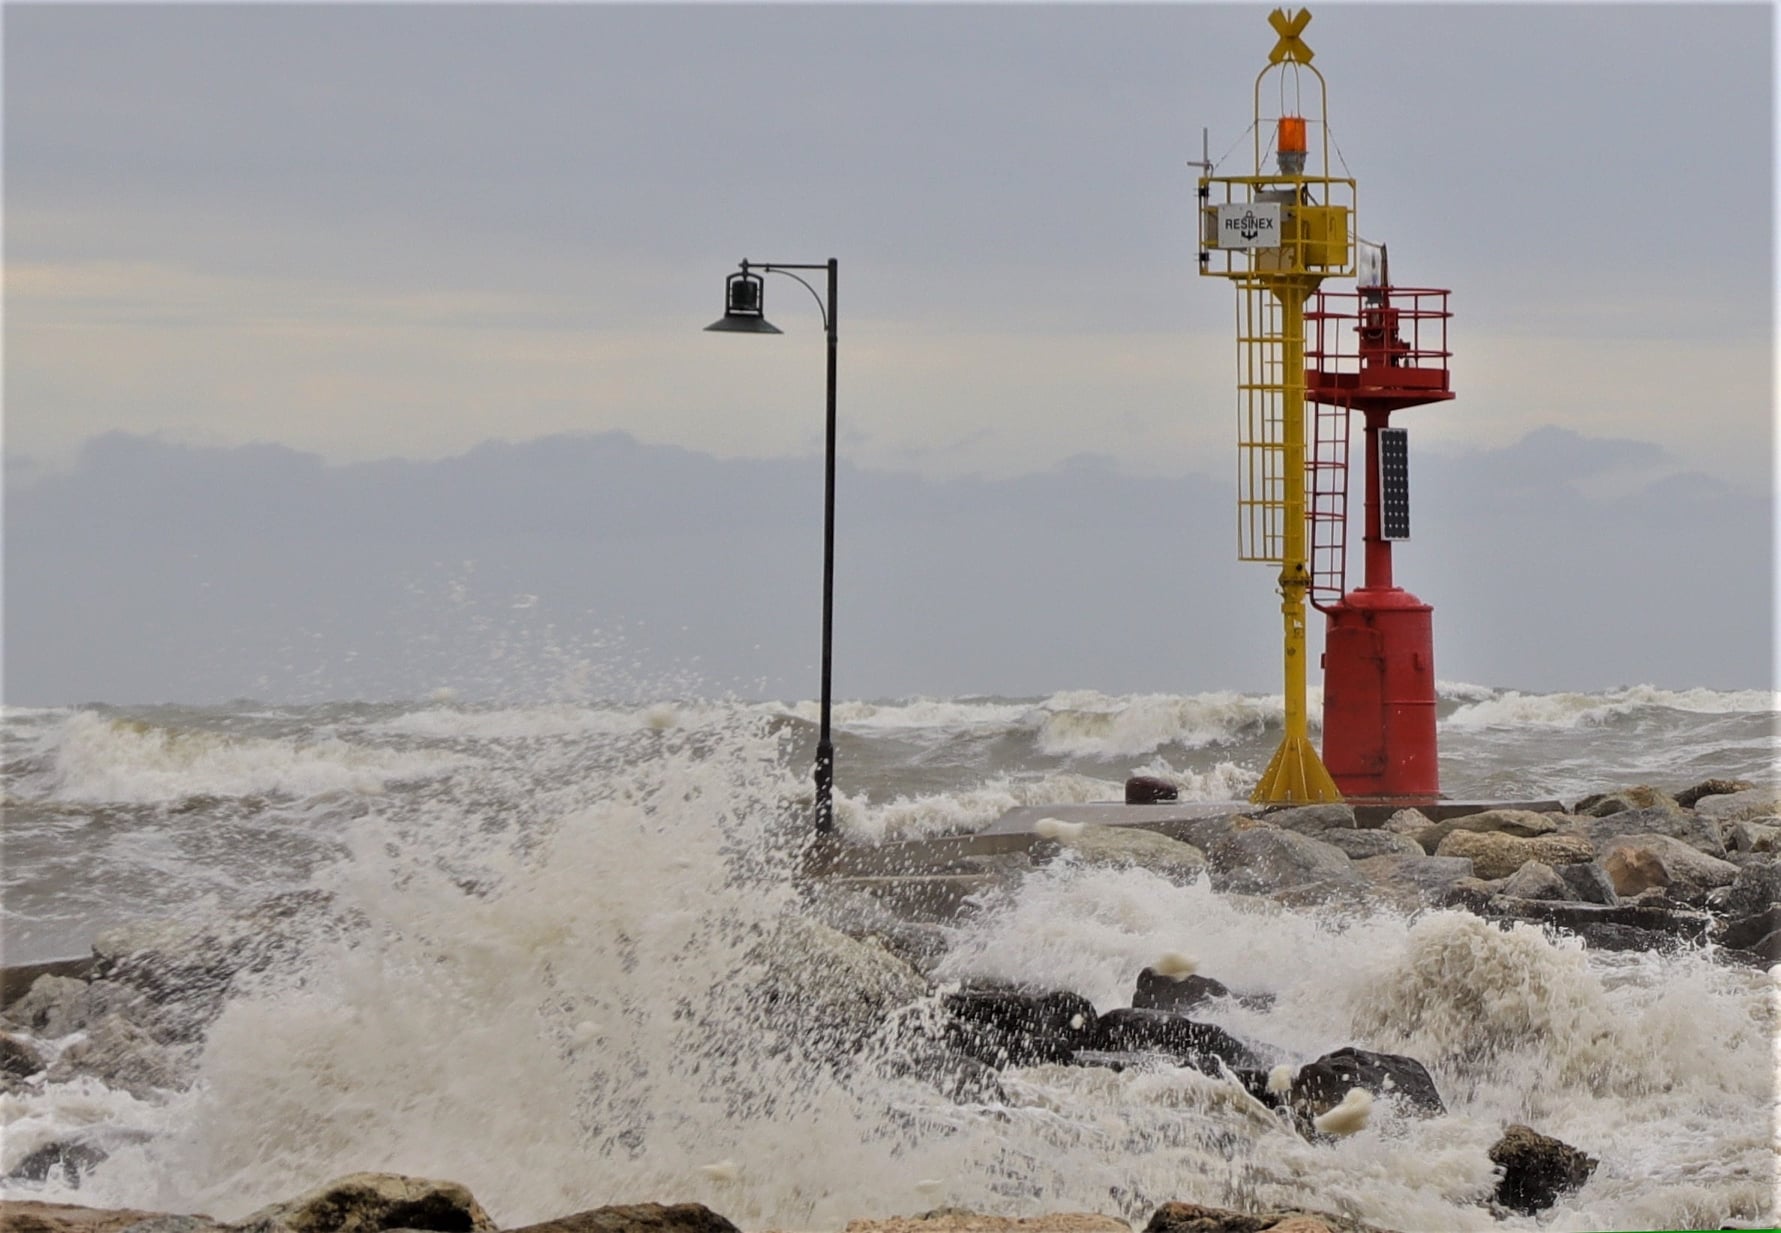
(744, 313)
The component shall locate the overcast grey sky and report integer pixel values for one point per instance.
(371, 232)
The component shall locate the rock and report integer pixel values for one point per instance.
(1126, 846)
(58, 1006)
(1749, 932)
(1641, 797)
(1752, 836)
(1740, 806)
(1638, 862)
(1149, 790)
(1177, 995)
(1702, 834)
(1588, 882)
(1497, 854)
(1537, 1169)
(16, 979)
(65, 1161)
(1193, 1218)
(1264, 859)
(1536, 880)
(1312, 819)
(1409, 822)
(1521, 823)
(956, 1220)
(1321, 1085)
(637, 1218)
(1426, 876)
(1360, 845)
(372, 1202)
(121, 1055)
(1200, 1045)
(18, 1057)
(21, 1216)
(1755, 889)
(1607, 927)
(1012, 1027)
(1688, 798)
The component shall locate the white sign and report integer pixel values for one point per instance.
(1251, 225)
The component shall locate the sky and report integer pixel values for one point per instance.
(269, 256)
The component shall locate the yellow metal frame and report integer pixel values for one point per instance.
(1316, 241)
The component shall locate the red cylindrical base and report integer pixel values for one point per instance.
(1379, 695)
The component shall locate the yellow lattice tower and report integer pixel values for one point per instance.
(1277, 234)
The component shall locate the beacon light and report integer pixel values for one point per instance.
(1289, 143)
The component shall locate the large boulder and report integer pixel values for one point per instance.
(1698, 832)
(1750, 837)
(1740, 806)
(1200, 1045)
(26, 1216)
(1175, 994)
(1641, 796)
(371, 1203)
(1360, 845)
(1688, 798)
(1536, 880)
(1522, 823)
(1588, 882)
(1265, 859)
(1422, 877)
(123, 1055)
(1497, 854)
(1016, 1027)
(637, 1218)
(1129, 847)
(1312, 819)
(59, 1006)
(1321, 1085)
(1537, 1169)
(1637, 863)
(1755, 889)
(18, 1057)
(1193, 1218)
(1760, 934)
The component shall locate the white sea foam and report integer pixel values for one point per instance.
(102, 759)
(941, 715)
(1513, 709)
(1085, 723)
(454, 723)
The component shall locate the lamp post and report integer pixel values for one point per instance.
(744, 313)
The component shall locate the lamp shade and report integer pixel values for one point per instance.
(744, 298)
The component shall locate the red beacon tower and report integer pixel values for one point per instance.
(1376, 349)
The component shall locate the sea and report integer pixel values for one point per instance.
(524, 930)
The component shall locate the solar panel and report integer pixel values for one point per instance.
(1394, 483)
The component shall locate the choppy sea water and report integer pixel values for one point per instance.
(538, 916)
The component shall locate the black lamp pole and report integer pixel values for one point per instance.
(743, 314)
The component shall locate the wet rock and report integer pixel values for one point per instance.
(1740, 806)
(122, 1055)
(1312, 819)
(1193, 1218)
(16, 979)
(1497, 854)
(1752, 837)
(1425, 876)
(1521, 823)
(1537, 1169)
(1753, 932)
(18, 1057)
(1639, 862)
(1688, 798)
(1536, 880)
(1321, 1085)
(371, 1203)
(1263, 859)
(64, 1161)
(1149, 790)
(1362, 845)
(1663, 924)
(1013, 1027)
(1176, 994)
(1588, 882)
(1755, 889)
(1129, 847)
(58, 1006)
(1200, 1045)
(1699, 833)
(1410, 822)
(637, 1218)
(958, 1220)
(1643, 796)
(22, 1216)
